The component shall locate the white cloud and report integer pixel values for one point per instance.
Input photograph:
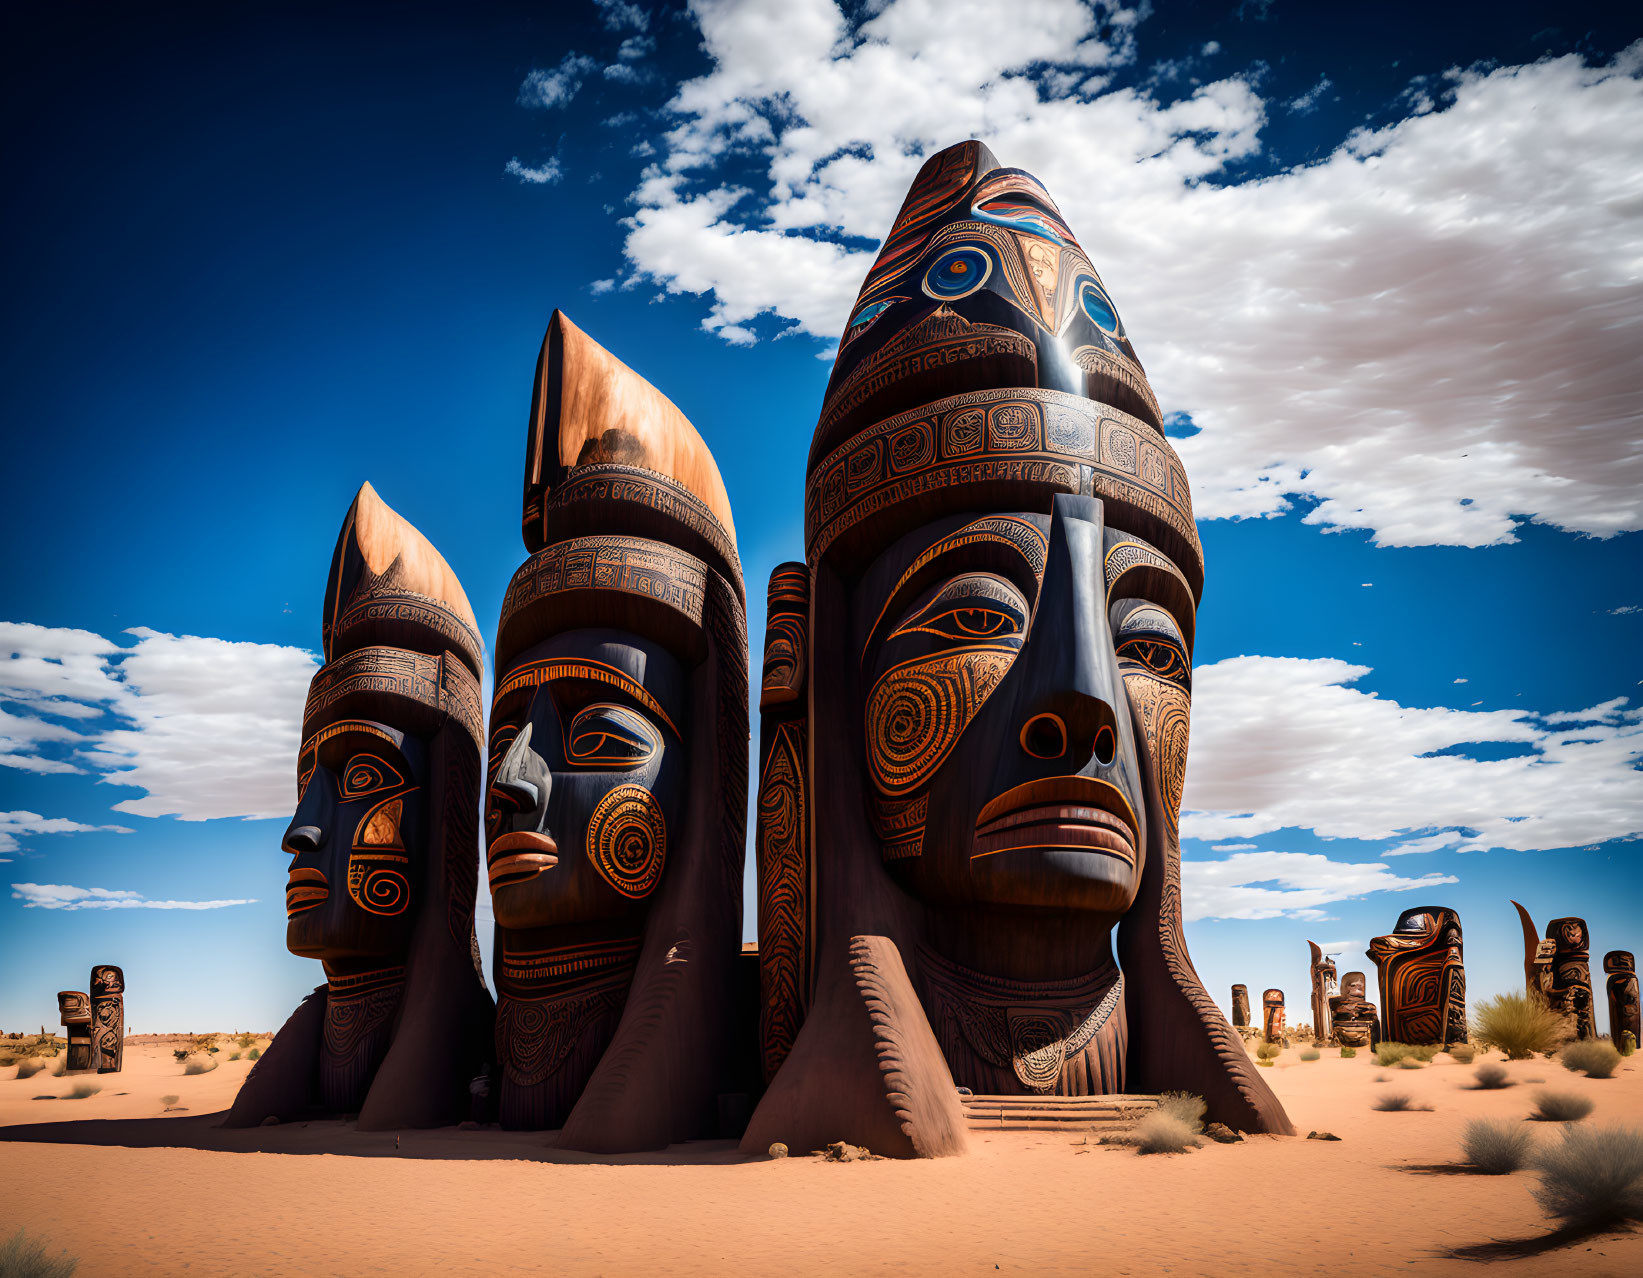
(1462, 680)
(1625, 610)
(60, 896)
(1353, 946)
(635, 47)
(554, 88)
(13, 824)
(620, 15)
(1211, 49)
(626, 73)
(1233, 847)
(547, 174)
(1295, 885)
(204, 727)
(1283, 742)
(1307, 102)
(1385, 334)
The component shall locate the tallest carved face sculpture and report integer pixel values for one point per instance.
(1003, 574)
(616, 800)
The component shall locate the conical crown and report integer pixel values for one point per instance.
(984, 362)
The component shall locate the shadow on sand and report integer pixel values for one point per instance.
(1539, 1245)
(339, 1136)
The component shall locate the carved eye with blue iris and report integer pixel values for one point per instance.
(867, 314)
(1098, 306)
(957, 273)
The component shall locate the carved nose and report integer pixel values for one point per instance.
(522, 782)
(303, 838)
(518, 793)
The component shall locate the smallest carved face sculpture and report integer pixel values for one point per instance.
(355, 841)
(1572, 934)
(587, 774)
(1355, 985)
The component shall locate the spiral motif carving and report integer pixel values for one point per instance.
(916, 713)
(627, 840)
(378, 888)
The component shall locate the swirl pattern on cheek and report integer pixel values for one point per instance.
(627, 840)
(916, 713)
(1164, 712)
(378, 884)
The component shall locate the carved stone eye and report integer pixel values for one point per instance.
(957, 273)
(610, 736)
(971, 609)
(366, 774)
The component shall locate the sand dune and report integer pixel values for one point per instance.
(132, 1191)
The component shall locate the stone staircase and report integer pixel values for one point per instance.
(1055, 1113)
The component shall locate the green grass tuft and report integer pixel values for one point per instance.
(1347, 1053)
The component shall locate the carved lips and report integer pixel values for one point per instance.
(1078, 814)
(521, 855)
(305, 889)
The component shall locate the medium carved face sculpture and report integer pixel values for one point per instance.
(997, 671)
(587, 774)
(356, 842)
(1355, 985)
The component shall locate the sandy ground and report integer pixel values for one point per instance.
(131, 1192)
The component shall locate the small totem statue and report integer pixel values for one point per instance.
(1622, 989)
(1272, 1016)
(1422, 978)
(1351, 1014)
(1240, 1007)
(1324, 988)
(1571, 991)
(108, 1018)
(617, 803)
(75, 1010)
(384, 846)
(976, 704)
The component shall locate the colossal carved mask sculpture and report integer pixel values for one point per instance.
(1557, 970)
(383, 845)
(1623, 1004)
(1351, 1014)
(108, 1018)
(616, 805)
(976, 700)
(1324, 989)
(1240, 1006)
(1422, 977)
(1272, 1016)
(75, 1009)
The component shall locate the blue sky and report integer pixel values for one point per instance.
(1382, 264)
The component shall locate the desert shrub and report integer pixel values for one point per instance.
(1310, 1054)
(253, 1055)
(1390, 1053)
(20, 1258)
(181, 1053)
(1185, 1107)
(1595, 1056)
(1627, 1044)
(1560, 1107)
(1347, 1053)
(1462, 1052)
(197, 1066)
(1490, 1077)
(1397, 1103)
(1161, 1132)
(234, 1056)
(1411, 1062)
(1495, 1148)
(1424, 1051)
(1517, 1024)
(29, 1067)
(1269, 1051)
(245, 1040)
(81, 1090)
(169, 1101)
(1593, 1177)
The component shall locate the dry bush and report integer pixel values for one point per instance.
(1593, 1177)
(1411, 1062)
(1269, 1051)
(1495, 1148)
(1597, 1057)
(1626, 1044)
(1490, 1077)
(82, 1090)
(1311, 1054)
(20, 1258)
(1517, 1024)
(1424, 1051)
(1184, 1107)
(1390, 1053)
(169, 1101)
(197, 1065)
(30, 1066)
(1462, 1052)
(253, 1055)
(1161, 1132)
(1560, 1107)
(245, 1040)
(1397, 1103)
(1347, 1053)
(233, 1056)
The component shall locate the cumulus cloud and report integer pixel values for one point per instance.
(1281, 742)
(554, 88)
(204, 727)
(1294, 885)
(60, 896)
(543, 175)
(620, 15)
(1307, 102)
(1430, 334)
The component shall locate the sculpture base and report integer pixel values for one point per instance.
(1103, 1114)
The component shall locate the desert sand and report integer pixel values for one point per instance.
(129, 1189)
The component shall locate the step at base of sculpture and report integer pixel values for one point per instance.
(1055, 1113)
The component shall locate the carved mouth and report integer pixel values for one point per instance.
(305, 889)
(522, 855)
(1062, 814)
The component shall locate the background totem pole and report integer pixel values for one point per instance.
(1422, 977)
(108, 1018)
